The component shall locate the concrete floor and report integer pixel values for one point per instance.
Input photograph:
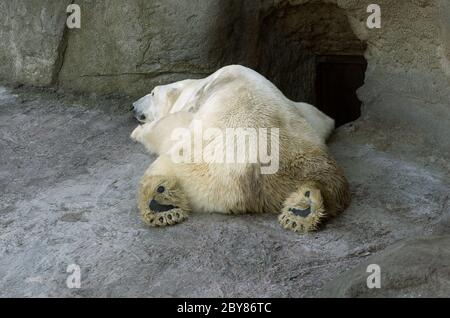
(68, 176)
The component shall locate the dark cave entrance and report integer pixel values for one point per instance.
(311, 53)
(337, 79)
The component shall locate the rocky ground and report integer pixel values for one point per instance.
(68, 176)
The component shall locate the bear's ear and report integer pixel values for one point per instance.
(165, 99)
(172, 95)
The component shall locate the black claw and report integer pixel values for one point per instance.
(302, 213)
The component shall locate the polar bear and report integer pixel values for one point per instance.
(306, 187)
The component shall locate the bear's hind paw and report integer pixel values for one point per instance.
(303, 210)
(171, 217)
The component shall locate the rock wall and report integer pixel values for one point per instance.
(127, 47)
(130, 46)
(31, 35)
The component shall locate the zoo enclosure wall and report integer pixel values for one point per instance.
(127, 47)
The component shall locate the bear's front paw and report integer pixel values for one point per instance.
(165, 218)
(136, 134)
(303, 210)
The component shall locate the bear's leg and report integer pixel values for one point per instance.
(304, 209)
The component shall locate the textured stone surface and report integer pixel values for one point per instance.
(31, 37)
(411, 268)
(68, 182)
(130, 47)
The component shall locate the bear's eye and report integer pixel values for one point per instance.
(153, 93)
(160, 189)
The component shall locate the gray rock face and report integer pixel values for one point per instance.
(410, 268)
(131, 47)
(31, 37)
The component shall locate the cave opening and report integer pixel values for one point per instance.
(312, 54)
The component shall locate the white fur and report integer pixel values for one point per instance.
(207, 97)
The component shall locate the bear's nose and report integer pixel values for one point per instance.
(136, 114)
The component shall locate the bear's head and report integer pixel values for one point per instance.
(160, 196)
(156, 104)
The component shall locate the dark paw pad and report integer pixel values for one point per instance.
(155, 206)
(302, 213)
